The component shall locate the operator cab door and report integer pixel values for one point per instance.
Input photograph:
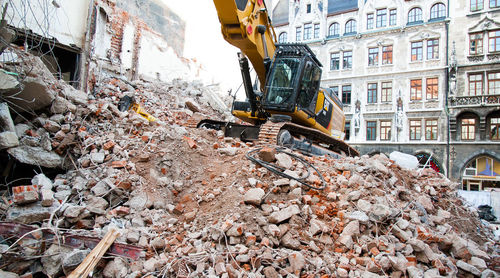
(308, 88)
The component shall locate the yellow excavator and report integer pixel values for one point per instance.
(289, 107)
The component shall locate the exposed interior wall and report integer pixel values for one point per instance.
(67, 23)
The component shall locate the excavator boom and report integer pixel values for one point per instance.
(246, 25)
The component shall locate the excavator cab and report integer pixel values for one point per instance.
(293, 80)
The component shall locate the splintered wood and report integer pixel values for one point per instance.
(88, 264)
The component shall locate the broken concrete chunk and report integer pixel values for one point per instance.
(8, 139)
(254, 196)
(25, 194)
(36, 156)
(284, 214)
(358, 215)
(468, 268)
(284, 160)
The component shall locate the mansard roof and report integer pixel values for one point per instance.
(339, 6)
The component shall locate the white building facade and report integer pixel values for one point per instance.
(387, 60)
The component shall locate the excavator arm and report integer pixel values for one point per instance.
(246, 25)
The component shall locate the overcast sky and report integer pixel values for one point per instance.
(204, 40)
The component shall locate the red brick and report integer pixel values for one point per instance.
(25, 194)
(109, 145)
(191, 142)
(119, 164)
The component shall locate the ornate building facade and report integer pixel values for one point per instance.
(474, 95)
(388, 61)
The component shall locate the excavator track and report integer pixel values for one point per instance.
(192, 123)
(269, 135)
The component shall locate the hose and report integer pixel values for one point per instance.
(281, 171)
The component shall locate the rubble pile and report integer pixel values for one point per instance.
(188, 203)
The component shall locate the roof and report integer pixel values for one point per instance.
(338, 6)
(280, 13)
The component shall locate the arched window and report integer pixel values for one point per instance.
(427, 161)
(481, 173)
(283, 37)
(415, 15)
(438, 11)
(350, 26)
(334, 29)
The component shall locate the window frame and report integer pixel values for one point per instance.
(373, 56)
(476, 82)
(416, 89)
(440, 13)
(476, 5)
(494, 41)
(496, 5)
(432, 91)
(316, 30)
(371, 130)
(470, 129)
(415, 15)
(495, 137)
(307, 31)
(350, 27)
(335, 28)
(386, 92)
(393, 17)
(431, 129)
(369, 21)
(347, 60)
(381, 18)
(387, 55)
(308, 8)
(415, 126)
(338, 60)
(281, 36)
(385, 130)
(347, 130)
(417, 52)
(479, 43)
(496, 81)
(372, 90)
(346, 94)
(432, 49)
(298, 33)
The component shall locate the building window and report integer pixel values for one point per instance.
(347, 130)
(316, 31)
(392, 17)
(415, 15)
(494, 83)
(372, 92)
(387, 55)
(416, 89)
(476, 44)
(350, 26)
(307, 31)
(282, 37)
(468, 129)
(346, 94)
(433, 49)
(475, 84)
(298, 33)
(494, 39)
(335, 90)
(308, 7)
(416, 51)
(373, 56)
(476, 5)
(385, 130)
(386, 94)
(334, 61)
(381, 18)
(347, 60)
(438, 11)
(334, 29)
(369, 21)
(494, 3)
(431, 128)
(371, 130)
(415, 129)
(431, 91)
(495, 128)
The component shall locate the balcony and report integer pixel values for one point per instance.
(467, 101)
